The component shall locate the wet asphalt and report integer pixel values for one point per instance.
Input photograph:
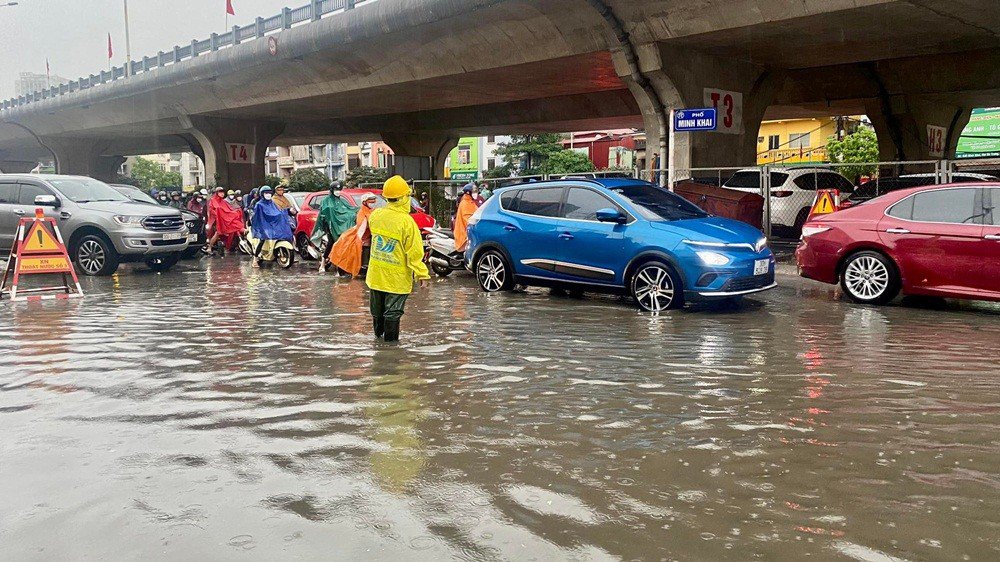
(222, 412)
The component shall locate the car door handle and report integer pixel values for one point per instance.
(509, 227)
(992, 237)
(566, 236)
(897, 231)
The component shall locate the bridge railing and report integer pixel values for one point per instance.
(288, 18)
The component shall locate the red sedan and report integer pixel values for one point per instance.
(309, 211)
(936, 240)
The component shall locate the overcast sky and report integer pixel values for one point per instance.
(73, 34)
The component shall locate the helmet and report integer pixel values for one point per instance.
(203, 192)
(395, 188)
(231, 192)
(266, 189)
(253, 192)
(467, 188)
(219, 188)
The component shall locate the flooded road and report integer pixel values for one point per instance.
(221, 412)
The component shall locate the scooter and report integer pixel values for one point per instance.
(281, 252)
(440, 252)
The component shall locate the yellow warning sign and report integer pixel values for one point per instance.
(824, 204)
(54, 264)
(39, 241)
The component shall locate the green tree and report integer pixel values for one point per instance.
(859, 147)
(499, 173)
(271, 181)
(147, 173)
(567, 162)
(170, 180)
(528, 153)
(308, 180)
(366, 174)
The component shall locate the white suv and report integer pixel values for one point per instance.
(792, 191)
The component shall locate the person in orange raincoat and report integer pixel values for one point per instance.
(348, 252)
(466, 208)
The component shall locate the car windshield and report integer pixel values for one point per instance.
(655, 203)
(86, 190)
(136, 195)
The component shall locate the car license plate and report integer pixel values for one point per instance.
(192, 237)
(174, 236)
(760, 267)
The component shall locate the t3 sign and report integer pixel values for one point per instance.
(239, 153)
(729, 106)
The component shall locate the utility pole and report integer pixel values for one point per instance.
(128, 44)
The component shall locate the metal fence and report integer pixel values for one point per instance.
(793, 189)
(288, 18)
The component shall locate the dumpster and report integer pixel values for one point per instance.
(722, 202)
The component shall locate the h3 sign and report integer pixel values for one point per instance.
(239, 153)
(695, 120)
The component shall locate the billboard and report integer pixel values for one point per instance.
(981, 137)
(464, 159)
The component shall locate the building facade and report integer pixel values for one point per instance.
(28, 82)
(330, 159)
(791, 141)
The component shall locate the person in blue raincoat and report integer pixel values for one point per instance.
(269, 222)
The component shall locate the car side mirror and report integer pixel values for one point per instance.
(47, 201)
(611, 215)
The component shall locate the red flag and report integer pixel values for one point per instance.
(229, 8)
(111, 52)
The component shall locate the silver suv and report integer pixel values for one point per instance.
(102, 228)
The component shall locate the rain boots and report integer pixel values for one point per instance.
(378, 324)
(392, 330)
(386, 309)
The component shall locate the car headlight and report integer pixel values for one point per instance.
(712, 258)
(129, 220)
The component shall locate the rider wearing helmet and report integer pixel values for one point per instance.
(466, 208)
(269, 222)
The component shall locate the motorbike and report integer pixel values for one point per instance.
(440, 253)
(281, 252)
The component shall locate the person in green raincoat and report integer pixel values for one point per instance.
(336, 216)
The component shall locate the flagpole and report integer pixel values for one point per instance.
(128, 44)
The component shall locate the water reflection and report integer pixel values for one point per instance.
(219, 410)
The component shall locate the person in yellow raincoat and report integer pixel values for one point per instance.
(348, 252)
(397, 258)
(466, 208)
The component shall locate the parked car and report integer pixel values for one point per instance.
(939, 240)
(195, 223)
(615, 235)
(792, 191)
(102, 227)
(880, 186)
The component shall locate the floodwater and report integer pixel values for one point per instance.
(219, 412)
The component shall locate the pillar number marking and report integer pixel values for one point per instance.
(729, 106)
(239, 153)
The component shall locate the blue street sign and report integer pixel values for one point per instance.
(686, 120)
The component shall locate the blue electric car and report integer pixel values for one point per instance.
(615, 235)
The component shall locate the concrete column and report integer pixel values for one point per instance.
(419, 156)
(84, 157)
(901, 121)
(216, 137)
(684, 78)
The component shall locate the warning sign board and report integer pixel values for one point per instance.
(826, 202)
(39, 241)
(54, 264)
(38, 249)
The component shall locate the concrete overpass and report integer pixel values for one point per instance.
(421, 73)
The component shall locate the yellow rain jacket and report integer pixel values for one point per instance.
(397, 252)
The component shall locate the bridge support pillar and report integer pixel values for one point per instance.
(901, 124)
(419, 156)
(233, 150)
(85, 157)
(684, 78)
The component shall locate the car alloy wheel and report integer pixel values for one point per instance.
(491, 271)
(654, 288)
(869, 277)
(91, 257)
